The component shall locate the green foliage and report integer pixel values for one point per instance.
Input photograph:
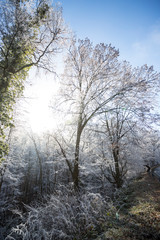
(19, 30)
(42, 10)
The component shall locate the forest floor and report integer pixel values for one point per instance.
(138, 218)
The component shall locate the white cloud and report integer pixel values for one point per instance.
(140, 50)
(147, 50)
(155, 37)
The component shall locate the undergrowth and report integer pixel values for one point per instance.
(138, 212)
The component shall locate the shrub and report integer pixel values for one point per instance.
(64, 217)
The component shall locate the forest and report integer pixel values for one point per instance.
(63, 184)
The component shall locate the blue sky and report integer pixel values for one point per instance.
(132, 26)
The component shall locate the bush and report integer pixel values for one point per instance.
(64, 217)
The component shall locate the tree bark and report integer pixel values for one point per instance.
(118, 179)
(76, 160)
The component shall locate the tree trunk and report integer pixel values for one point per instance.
(117, 176)
(76, 160)
(40, 166)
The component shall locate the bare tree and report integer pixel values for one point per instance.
(39, 162)
(116, 126)
(93, 78)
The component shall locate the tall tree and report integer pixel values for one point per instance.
(93, 79)
(29, 32)
(115, 128)
(132, 112)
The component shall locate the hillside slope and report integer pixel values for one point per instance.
(139, 215)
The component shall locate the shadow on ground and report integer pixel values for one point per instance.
(138, 212)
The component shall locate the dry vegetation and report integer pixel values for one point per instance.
(139, 218)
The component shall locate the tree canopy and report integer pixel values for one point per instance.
(30, 31)
(94, 83)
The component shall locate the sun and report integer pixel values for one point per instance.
(40, 117)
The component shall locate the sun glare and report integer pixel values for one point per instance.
(40, 118)
(39, 115)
